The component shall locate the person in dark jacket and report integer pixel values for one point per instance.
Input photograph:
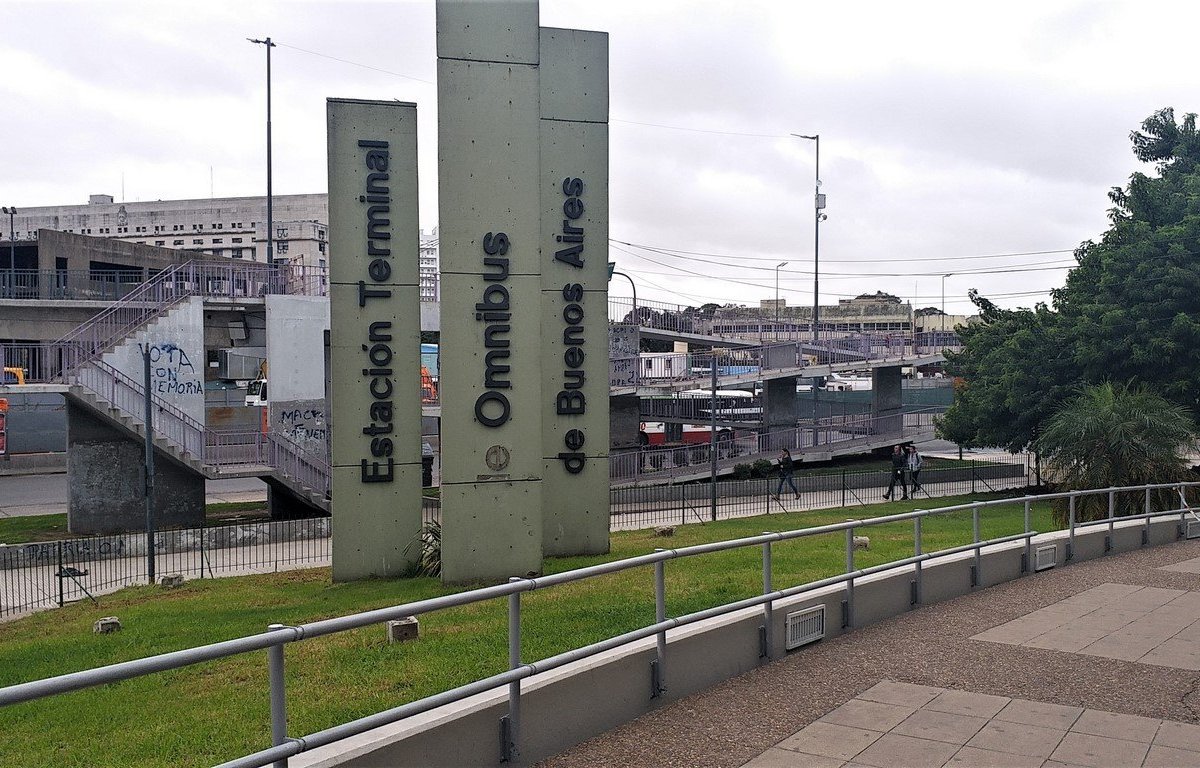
(786, 468)
(899, 467)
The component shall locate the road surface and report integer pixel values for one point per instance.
(22, 495)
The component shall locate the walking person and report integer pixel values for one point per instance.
(914, 469)
(786, 468)
(899, 469)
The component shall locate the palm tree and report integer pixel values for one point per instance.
(1113, 436)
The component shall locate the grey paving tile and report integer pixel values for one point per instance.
(1122, 650)
(869, 715)
(1040, 713)
(1101, 593)
(966, 703)
(1057, 764)
(1186, 566)
(783, 758)
(1115, 725)
(1176, 652)
(1155, 596)
(1005, 634)
(941, 726)
(904, 694)
(1099, 752)
(1190, 632)
(896, 750)
(1178, 735)
(1189, 599)
(1112, 619)
(829, 740)
(971, 757)
(1068, 638)
(1018, 739)
(1170, 757)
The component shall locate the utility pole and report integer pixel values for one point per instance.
(149, 480)
(270, 211)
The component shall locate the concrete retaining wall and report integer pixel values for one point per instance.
(165, 542)
(561, 708)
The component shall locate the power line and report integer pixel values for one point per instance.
(677, 252)
(353, 63)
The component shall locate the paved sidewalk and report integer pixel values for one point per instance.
(977, 694)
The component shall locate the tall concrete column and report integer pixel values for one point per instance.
(106, 480)
(375, 346)
(887, 404)
(489, 234)
(780, 407)
(573, 75)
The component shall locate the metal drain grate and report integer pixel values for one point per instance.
(1045, 557)
(805, 627)
(1193, 530)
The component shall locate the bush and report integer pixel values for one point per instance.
(761, 468)
(742, 471)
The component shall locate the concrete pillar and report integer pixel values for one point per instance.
(887, 407)
(624, 422)
(780, 411)
(105, 476)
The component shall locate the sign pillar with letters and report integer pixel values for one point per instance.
(574, 244)
(375, 342)
(488, 238)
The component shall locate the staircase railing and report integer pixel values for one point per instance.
(128, 396)
(157, 295)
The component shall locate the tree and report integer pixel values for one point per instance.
(1116, 435)
(1013, 376)
(1129, 312)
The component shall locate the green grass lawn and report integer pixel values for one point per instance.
(218, 710)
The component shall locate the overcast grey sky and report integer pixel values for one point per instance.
(949, 130)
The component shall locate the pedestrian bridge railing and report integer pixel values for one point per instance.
(278, 636)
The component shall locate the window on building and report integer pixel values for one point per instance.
(160, 242)
(281, 246)
(235, 253)
(321, 247)
(218, 251)
(218, 226)
(235, 239)
(216, 240)
(197, 241)
(321, 263)
(320, 234)
(176, 242)
(281, 232)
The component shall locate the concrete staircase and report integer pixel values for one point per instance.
(87, 354)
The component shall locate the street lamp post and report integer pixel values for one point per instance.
(818, 205)
(942, 340)
(12, 250)
(270, 212)
(777, 266)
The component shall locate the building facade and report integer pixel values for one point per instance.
(229, 227)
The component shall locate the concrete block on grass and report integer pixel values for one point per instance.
(399, 630)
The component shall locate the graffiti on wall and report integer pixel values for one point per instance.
(172, 372)
(303, 425)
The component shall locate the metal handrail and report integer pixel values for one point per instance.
(278, 636)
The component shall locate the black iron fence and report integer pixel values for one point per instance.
(649, 506)
(46, 574)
